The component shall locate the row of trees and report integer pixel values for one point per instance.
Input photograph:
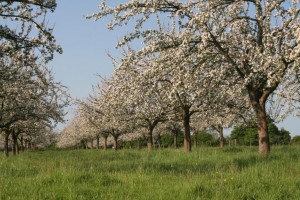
(31, 102)
(212, 63)
(202, 64)
(167, 134)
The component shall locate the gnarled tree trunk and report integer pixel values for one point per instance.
(262, 128)
(258, 102)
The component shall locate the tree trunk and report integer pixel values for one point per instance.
(6, 140)
(17, 148)
(105, 142)
(196, 140)
(92, 143)
(159, 141)
(25, 145)
(116, 147)
(22, 144)
(98, 142)
(32, 146)
(221, 136)
(28, 146)
(187, 131)
(150, 139)
(86, 144)
(14, 143)
(175, 139)
(258, 103)
(262, 128)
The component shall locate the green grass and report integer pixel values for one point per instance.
(206, 173)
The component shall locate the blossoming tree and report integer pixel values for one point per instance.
(28, 93)
(23, 27)
(253, 44)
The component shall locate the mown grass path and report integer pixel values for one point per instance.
(206, 173)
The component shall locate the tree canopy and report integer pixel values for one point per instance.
(250, 49)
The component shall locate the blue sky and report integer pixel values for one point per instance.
(86, 43)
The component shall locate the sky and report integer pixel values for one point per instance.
(86, 43)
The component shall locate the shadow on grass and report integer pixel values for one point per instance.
(242, 163)
(208, 166)
(84, 178)
(108, 181)
(234, 161)
(232, 150)
(202, 191)
(19, 173)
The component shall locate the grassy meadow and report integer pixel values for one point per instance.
(206, 173)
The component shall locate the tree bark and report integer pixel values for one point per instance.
(34, 146)
(196, 139)
(86, 144)
(105, 142)
(17, 148)
(22, 144)
(98, 142)
(187, 131)
(159, 141)
(116, 146)
(14, 143)
(221, 136)
(258, 103)
(150, 139)
(6, 140)
(92, 143)
(263, 136)
(175, 139)
(82, 144)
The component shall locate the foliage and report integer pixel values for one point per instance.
(24, 28)
(204, 138)
(135, 144)
(296, 139)
(32, 103)
(247, 135)
(277, 136)
(167, 140)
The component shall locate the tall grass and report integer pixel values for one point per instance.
(206, 173)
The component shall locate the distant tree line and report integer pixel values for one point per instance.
(241, 135)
